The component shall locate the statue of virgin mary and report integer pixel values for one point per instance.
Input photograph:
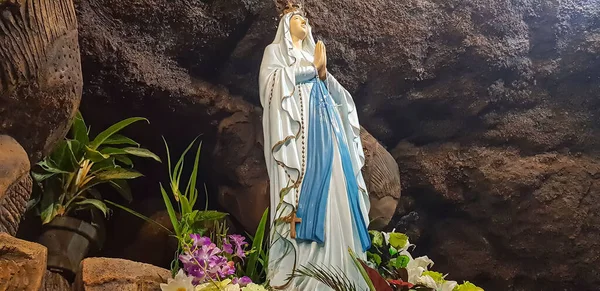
(314, 157)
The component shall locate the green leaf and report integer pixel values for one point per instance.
(94, 155)
(94, 203)
(48, 206)
(139, 215)
(138, 152)
(123, 188)
(41, 177)
(117, 174)
(402, 261)
(79, 130)
(63, 158)
(170, 210)
(376, 238)
(185, 205)
(362, 270)
(77, 148)
(124, 160)
(210, 215)
(191, 192)
(257, 248)
(467, 286)
(374, 258)
(113, 129)
(398, 240)
(104, 165)
(436, 276)
(117, 139)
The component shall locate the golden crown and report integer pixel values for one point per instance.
(289, 6)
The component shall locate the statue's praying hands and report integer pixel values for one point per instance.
(321, 60)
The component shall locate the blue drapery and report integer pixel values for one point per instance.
(323, 121)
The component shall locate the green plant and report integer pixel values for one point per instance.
(258, 257)
(67, 176)
(184, 219)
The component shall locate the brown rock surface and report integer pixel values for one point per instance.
(105, 274)
(15, 184)
(517, 77)
(40, 72)
(23, 264)
(508, 220)
(55, 282)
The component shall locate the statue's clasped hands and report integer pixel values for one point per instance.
(321, 60)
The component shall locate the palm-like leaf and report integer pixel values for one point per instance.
(331, 277)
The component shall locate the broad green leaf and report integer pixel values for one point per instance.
(79, 130)
(377, 238)
(139, 215)
(104, 165)
(117, 139)
(117, 174)
(398, 240)
(123, 188)
(94, 203)
(77, 148)
(170, 210)
(402, 261)
(41, 177)
(374, 258)
(124, 160)
(63, 158)
(113, 129)
(138, 152)
(48, 206)
(49, 166)
(94, 155)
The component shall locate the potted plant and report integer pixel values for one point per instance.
(71, 209)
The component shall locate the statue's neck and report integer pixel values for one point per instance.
(297, 42)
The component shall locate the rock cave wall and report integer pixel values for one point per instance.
(490, 109)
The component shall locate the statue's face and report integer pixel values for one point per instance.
(298, 27)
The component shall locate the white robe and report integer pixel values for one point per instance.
(284, 103)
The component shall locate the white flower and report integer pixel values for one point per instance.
(181, 283)
(427, 281)
(448, 286)
(416, 267)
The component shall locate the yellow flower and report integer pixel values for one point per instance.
(254, 287)
(216, 286)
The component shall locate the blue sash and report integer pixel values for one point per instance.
(323, 121)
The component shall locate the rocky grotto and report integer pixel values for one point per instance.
(480, 126)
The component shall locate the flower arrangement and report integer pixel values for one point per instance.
(390, 257)
(217, 261)
(208, 267)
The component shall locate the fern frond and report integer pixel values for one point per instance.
(331, 277)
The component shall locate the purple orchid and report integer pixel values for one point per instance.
(227, 247)
(243, 281)
(239, 242)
